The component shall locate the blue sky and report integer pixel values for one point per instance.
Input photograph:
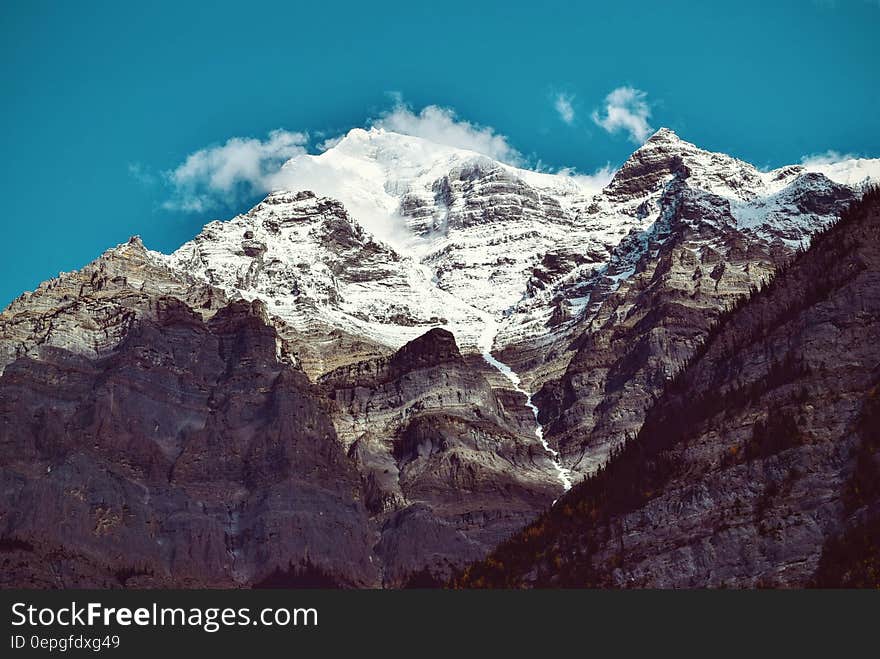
(100, 99)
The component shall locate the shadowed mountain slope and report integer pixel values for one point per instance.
(758, 465)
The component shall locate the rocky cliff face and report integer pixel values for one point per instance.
(189, 456)
(401, 235)
(698, 230)
(696, 260)
(783, 206)
(758, 464)
(196, 452)
(90, 311)
(450, 466)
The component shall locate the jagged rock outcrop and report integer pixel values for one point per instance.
(320, 271)
(196, 453)
(189, 456)
(402, 234)
(88, 312)
(675, 278)
(758, 466)
(450, 466)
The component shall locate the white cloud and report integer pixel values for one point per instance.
(597, 180)
(330, 142)
(626, 109)
(441, 125)
(141, 174)
(826, 158)
(564, 108)
(219, 175)
(223, 175)
(360, 188)
(592, 183)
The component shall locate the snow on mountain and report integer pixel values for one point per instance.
(621, 221)
(438, 236)
(477, 223)
(402, 234)
(852, 172)
(373, 172)
(318, 269)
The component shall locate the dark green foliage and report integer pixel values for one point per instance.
(853, 559)
(14, 544)
(422, 579)
(778, 433)
(864, 485)
(123, 575)
(307, 575)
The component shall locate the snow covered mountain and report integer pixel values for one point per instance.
(385, 236)
(622, 220)
(589, 298)
(758, 466)
(454, 235)
(425, 235)
(432, 347)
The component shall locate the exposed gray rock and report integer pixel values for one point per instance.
(190, 456)
(758, 464)
(442, 455)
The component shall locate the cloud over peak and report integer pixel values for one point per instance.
(625, 109)
(442, 125)
(564, 108)
(222, 175)
(218, 174)
(591, 183)
(829, 157)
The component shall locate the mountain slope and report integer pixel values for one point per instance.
(409, 321)
(758, 465)
(90, 311)
(196, 453)
(425, 235)
(190, 456)
(450, 465)
(694, 262)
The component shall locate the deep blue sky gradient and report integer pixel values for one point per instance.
(90, 88)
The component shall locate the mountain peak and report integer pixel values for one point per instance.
(377, 143)
(357, 138)
(665, 154)
(658, 158)
(666, 139)
(664, 134)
